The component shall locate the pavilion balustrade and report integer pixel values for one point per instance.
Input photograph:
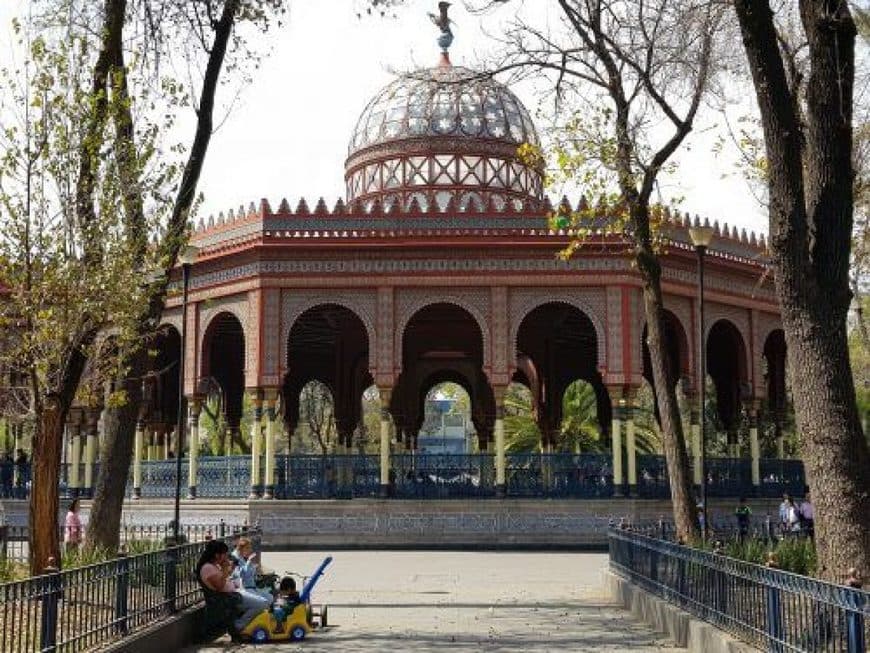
(447, 476)
(559, 475)
(443, 476)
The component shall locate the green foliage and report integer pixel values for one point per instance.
(794, 554)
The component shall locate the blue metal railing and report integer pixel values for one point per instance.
(771, 609)
(443, 476)
(559, 475)
(419, 475)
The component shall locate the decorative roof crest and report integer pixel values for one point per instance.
(443, 22)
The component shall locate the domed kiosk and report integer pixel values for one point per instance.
(443, 133)
(440, 265)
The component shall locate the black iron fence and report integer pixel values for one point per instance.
(90, 607)
(774, 610)
(14, 538)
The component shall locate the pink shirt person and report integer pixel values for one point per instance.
(72, 526)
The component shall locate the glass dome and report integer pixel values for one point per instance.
(443, 101)
(443, 137)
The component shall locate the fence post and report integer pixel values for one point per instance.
(855, 616)
(223, 529)
(50, 597)
(169, 587)
(122, 585)
(773, 604)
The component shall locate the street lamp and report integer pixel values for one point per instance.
(701, 235)
(186, 257)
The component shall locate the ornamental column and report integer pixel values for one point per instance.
(498, 433)
(194, 406)
(385, 441)
(75, 450)
(754, 447)
(138, 446)
(616, 403)
(92, 416)
(256, 429)
(270, 399)
(630, 445)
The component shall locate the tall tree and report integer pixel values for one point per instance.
(809, 147)
(631, 75)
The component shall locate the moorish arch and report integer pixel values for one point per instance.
(223, 363)
(441, 342)
(774, 353)
(524, 301)
(727, 367)
(164, 373)
(412, 303)
(329, 343)
(677, 354)
(557, 344)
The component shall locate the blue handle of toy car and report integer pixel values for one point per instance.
(309, 586)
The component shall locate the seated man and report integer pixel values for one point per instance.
(285, 602)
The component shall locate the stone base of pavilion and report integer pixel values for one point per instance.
(414, 524)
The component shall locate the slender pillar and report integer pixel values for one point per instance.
(631, 449)
(194, 406)
(138, 446)
(75, 452)
(150, 440)
(256, 429)
(270, 398)
(90, 450)
(617, 403)
(696, 446)
(385, 442)
(754, 447)
(498, 436)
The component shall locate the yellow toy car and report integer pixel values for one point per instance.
(269, 626)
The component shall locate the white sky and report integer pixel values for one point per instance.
(287, 134)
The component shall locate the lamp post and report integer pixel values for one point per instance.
(701, 237)
(186, 257)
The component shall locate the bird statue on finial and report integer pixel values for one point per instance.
(443, 22)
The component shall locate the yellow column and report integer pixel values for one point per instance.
(696, 447)
(385, 441)
(270, 397)
(138, 446)
(90, 450)
(75, 452)
(616, 439)
(631, 449)
(754, 447)
(256, 428)
(498, 436)
(194, 408)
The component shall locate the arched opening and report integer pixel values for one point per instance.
(316, 431)
(676, 355)
(223, 382)
(447, 427)
(441, 343)
(557, 345)
(777, 424)
(726, 367)
(164, 366)
(328, 343)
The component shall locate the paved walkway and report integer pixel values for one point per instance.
(462, 601)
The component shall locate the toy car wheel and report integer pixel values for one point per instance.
(297, 633)
(323, 616)
(260, 635)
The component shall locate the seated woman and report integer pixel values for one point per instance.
(214, 570)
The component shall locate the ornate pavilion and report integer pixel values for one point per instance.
(440, 265)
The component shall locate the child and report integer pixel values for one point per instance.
(285, 602)
(246, 567)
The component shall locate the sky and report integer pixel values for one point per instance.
(287, 132)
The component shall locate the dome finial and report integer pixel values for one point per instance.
(442, 22)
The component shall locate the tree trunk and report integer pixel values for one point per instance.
(119, 426)
(673, 441)
(44, 540)
(833, 446)
(811, 207)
